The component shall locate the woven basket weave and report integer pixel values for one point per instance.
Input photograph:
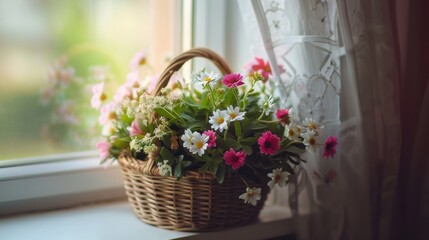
(197, 202)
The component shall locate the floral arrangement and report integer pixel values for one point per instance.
(218, 124)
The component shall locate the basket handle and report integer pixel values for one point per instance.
(177, 62)
(174, 66)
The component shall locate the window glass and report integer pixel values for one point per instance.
(52, 53)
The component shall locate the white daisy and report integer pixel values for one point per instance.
(164, 168)
(187, 138)
(252, 195)
(219, 120)
(293, 131)
(278, 177)
(234, 113)
(310, 140)
(312, 125)
(204, 78)
(199, 143)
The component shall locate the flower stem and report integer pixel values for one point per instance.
(247, 93)
(236, 96)
(212, 97)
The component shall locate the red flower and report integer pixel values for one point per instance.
(283, 116)
(233, 80)
(212, 138)
(269, 143)
(330, 147)
(235, 159)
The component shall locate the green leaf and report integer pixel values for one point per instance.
(166, 154)
(249, 140)
(186, 163)
(231, 143)
(295, 149)
(178, 170)
(205, 167)
(169, 114)
(247, 149)
(237, 127)
(220, 174)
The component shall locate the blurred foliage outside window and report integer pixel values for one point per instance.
(52, 52)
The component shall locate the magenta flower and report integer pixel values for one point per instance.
(235, 159)
(283, 116)
(103, 149)
(212, 138)
(330, 147)
(135, 129)
(269, 143)
(233, 80)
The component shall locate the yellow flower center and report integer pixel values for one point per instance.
(136, 85)
(291, 132)
(199, 144)
(233, 115)
(103, 97)
(220, 120)
(312, 126)
(112, 116)
(207, 79)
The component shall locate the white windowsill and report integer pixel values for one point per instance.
(115, 220)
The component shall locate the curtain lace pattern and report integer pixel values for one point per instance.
(338, 61)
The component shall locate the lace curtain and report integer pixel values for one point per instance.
(340, 70)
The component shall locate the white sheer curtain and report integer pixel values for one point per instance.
(340, 70)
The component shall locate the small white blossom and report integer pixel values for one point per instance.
(164, 168)
(219, 120)
(278, 177)
(234, 113)
(187, 138)
(293, 131)
(150, 149)
(310, 140)
(135, 145)
(199, 143)
(207, 78)
(252, 195)
(312, 125)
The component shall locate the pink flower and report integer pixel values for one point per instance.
(263, 67)
(98, 95)
(212, 138)
(330, 147)
(107, 113)
(283, 116)
(103, 149)
(233, 80)
(269, 143)
(122, 93)
(140, 58)
(235, 159)
(135, 129)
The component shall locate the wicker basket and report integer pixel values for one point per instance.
(197, 202)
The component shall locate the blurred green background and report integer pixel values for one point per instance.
(36, 33)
